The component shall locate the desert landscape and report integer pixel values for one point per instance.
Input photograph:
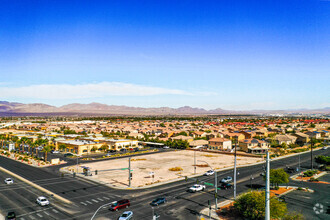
(164, 167)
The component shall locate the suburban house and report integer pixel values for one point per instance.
(183, 138)
(253, 146)
(197, 143)
(301, 138)
(234, 136)
(285, 138)
(220, 144)
(314, 134)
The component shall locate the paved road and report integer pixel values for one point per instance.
(88, 196)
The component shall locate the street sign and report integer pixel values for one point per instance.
(209, 184)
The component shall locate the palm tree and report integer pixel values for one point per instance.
(46, 150)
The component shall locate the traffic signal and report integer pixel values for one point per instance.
(186, 178)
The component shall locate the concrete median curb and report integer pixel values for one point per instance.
(36, 186)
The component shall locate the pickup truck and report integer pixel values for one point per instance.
(196, 188)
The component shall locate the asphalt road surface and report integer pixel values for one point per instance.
(87, 196)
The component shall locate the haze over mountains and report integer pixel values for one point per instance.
(14, 108)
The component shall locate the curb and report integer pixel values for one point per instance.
(50, 193)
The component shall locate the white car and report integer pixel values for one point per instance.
(196, 188)
(42, 201)
(126, 215)
(227, 179)
(55, 152)
(9, 181)
(166, 147)
(209, 173)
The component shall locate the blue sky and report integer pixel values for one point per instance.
(210, 54)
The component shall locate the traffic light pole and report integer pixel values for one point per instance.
(267, 193)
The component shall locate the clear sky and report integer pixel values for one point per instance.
(210, 54)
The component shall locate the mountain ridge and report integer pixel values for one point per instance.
(8, 108)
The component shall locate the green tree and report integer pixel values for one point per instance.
(94, 149)
(251, 205)
(104, 147)
(46, 150)
(278, 176)
(323, 160)
(62, 147)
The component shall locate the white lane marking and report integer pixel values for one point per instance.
(46, 213)
(54, 210)
(100, 199)
(89, 202)
(94, 200)
(31, 217)
(104, 197)
(22, 218)
(83, 203)
(39, 215)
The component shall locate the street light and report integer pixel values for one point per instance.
(100, 208)
(251, 178)
(215, 184)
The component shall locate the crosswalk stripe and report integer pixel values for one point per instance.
(46, 213)
(104, 197)
(38, 214)
(100, 199)
(54, 210)
(89, 202)
(83, 203)
(31, 217)
(95, 200)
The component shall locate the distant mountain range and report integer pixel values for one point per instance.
(35, 109)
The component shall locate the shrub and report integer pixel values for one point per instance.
(175, 169)
(299, 188)
(310, 173)
(313, 179)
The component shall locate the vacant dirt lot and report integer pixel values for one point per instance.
(160, 164)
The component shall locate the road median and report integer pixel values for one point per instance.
(50, 193)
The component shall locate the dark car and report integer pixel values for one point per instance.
(136, 149)
(68, 155)
(11, 215)
(123, 150)
(112, 151)
(290, 170)
(226, 186)
(158, 201)
(121, 204)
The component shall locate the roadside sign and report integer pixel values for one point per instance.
(209, 184)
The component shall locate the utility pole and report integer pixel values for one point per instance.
(235, 172)
(129, 172)
(267, 199)
(312, 153)
(216, 189)
(194, 161)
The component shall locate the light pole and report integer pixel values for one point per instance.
(251, 178)
(267, 193)
(215, 184)
(194, 161)
(312, 153)
(235, 171)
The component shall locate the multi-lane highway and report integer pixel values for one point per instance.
(87, 196)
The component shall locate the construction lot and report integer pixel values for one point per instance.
(160, 167)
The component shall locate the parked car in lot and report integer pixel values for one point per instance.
(9, 181)
(42, 201)
(226, 186)
(227, 179)
(158, 201)
(68, 155)
(107, 155)
(123, 150)
(112, 151)
(209, 173)
(11, 216)
(55, 152)
(121, 204)
(166, 147)
(126, 215)
(196, 188)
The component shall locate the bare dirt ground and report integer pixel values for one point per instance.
(160, 164)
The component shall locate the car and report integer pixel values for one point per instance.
(123, 150)
(196, 188)
(11, 216)
(324, 148)
(166, 147)
(126, 215)
(209, 173)
(290, 170)
(226, 186)
(136, 149)
(263, 174)
(112, 151)
(9, 181)
(107, 155)
(68, 155)
(42, 201)
(55, 152)
(158, 201)
(121, 204)
(227, 179)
